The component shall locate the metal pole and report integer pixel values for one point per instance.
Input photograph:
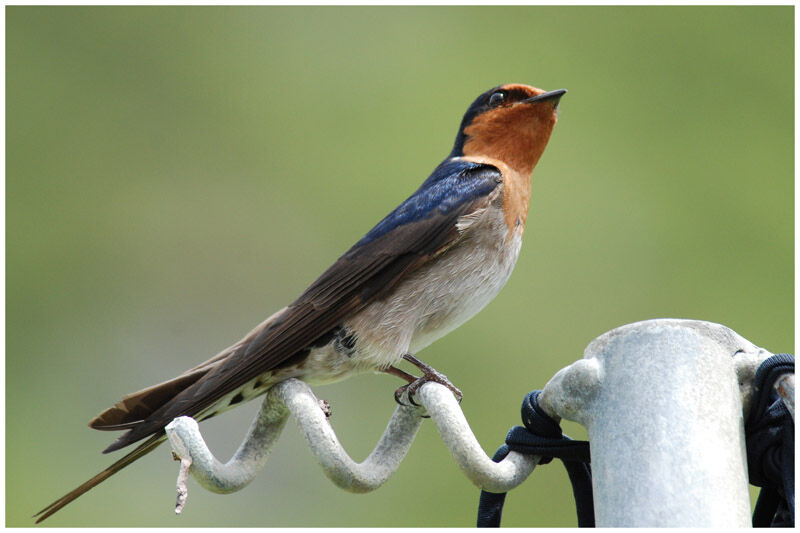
(663, 407)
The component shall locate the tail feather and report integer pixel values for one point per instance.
(134, 408)
(139, 452)
(137, 407)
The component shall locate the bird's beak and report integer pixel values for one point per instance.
(551, 96)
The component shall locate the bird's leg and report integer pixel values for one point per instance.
(428, 374)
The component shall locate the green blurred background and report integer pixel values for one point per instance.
(175, 175)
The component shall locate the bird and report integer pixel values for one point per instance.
(426, 268)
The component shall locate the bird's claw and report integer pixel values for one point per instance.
(398, 395)
(430, 375)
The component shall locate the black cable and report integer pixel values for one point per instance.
(769, 437)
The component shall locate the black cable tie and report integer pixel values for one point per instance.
(542, 436)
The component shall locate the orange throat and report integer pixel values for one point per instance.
(512, 139)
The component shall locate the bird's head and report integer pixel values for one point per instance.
(510, 123)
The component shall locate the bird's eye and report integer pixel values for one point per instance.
(497, 98)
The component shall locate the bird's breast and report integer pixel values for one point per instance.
(443, 294)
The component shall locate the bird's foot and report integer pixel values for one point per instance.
(398, 394)
(429, 374)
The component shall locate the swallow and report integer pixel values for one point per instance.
(425, 269)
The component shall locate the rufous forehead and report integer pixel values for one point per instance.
(531, 91)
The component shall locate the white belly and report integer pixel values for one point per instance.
(440, 296)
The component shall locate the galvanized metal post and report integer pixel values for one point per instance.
(662, 403)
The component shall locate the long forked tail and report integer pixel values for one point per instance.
(134, 408)
(140, 451)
